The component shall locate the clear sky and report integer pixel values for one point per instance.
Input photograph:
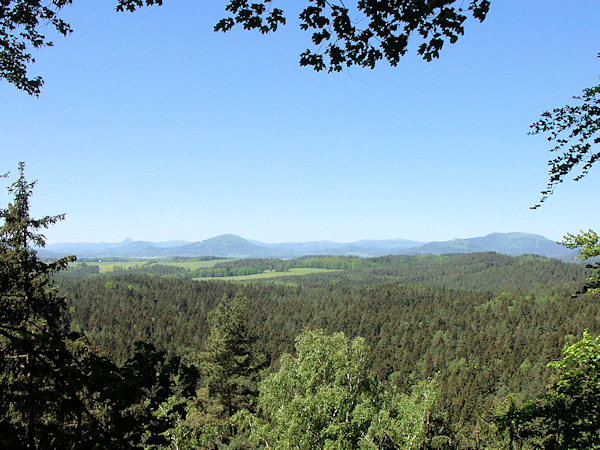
(152, 126)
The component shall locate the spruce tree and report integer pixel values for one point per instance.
(230, 374)
(42, 396)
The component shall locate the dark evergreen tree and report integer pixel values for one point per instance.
(230, 370)
(55, 392)
(42, 400)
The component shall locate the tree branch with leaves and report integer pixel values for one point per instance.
(588, 243)
(22, 24)
(575, 130)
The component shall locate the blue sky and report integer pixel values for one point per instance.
(152, 126)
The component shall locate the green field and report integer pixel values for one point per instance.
(270, 274)
(109, 266)
(191, 267)
(194, 265)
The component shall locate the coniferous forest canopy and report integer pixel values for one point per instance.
(474, 350)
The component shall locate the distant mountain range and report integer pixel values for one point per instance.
(232, 246)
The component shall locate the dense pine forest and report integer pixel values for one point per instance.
(453, 318)
(454, 351)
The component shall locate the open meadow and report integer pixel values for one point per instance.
(270, 274)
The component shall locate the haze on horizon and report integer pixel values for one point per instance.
(177, 241)
(151, 126)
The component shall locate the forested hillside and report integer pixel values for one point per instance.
(462, 271)
(485, 324)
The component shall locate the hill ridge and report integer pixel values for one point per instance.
(233, 246)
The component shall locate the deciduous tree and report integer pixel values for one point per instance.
(361, 33)
(326, 397)
(22, 24)
(588, 243)
(575, 130)
(568, 415)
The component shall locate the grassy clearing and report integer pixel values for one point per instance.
(194, 265)
(270, 274)
(109, 266)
